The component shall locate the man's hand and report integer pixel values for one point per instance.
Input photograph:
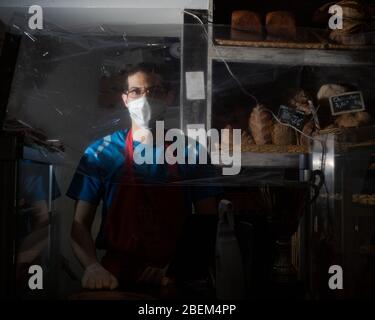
(96, 277)
(155, 276)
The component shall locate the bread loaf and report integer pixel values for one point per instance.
(246, 25)
(283, 135)
(363, 118)
(308, 130)
(329, 90)
(355, 119)
(354, 24)
(352, 9)
(300, 101)
(227, 138)
(347, 120)
(260, 124)
(246, 21)
(246, 139)
(324, 111)
(281, 25)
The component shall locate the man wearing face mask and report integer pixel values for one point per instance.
(143, 212)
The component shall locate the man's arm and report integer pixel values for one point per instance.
(34, 243)
(95, 276)
(82, 241)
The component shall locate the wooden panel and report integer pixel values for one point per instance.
(292, 56)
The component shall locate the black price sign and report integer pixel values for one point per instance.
(291, 116)
(347, 102)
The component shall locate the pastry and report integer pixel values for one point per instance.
(283, 135)
(281, 25)
(260, 124)
(324, 110)
(354, 24)
(366, 199)
(355, 119)
(363, 118)
(300, 101)
(329, 90)
(246, 139)
(227, 138)
(352, 9)
(246, 25)
(347, 120)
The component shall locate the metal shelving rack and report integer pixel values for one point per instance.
(275, 56)
(198, 52)
(12, 158)
(251, 55)
(340, 225)
(279, 56)
(309, 57)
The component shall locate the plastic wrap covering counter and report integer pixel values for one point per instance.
(67, 85)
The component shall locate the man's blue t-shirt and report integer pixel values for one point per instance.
(101, 170)
(34, 186)
(34, 183)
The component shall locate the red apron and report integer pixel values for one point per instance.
(143, 223)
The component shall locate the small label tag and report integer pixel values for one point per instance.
(291, 116)
(346, 103)
(195, 89)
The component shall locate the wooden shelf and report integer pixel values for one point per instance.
(270, 160)
(245, 54)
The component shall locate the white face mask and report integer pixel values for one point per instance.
(146, 111)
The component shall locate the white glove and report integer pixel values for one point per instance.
(96, 277)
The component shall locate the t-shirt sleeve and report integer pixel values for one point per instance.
(87, 182)
(39, 189)
(35, 185)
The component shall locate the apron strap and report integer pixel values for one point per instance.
(172, 170)
(129, 152)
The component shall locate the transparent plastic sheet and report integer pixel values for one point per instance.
(109, 51)
(56, 62)
(66, 85)
(66, 93)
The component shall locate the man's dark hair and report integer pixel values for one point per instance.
(145, 67)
